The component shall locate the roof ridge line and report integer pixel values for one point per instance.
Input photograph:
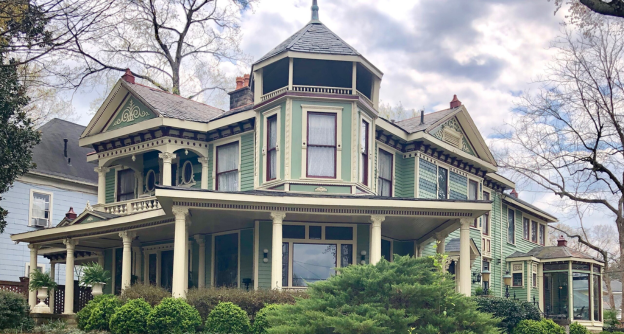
(342, 40)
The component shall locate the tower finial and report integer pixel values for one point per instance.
(315, 8)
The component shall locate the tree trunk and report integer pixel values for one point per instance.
(620, 225)
(175, 71)
(607, 281)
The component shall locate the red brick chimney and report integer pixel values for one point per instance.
(239, 82)
(455, 102)
(562, 242)
(128, 76)
(514, 193)
(246, 80)
(71, 215)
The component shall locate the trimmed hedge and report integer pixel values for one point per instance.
(511, 312)
(97, 313)
(227, 318)
(205, 300)
(261, 323)
(173, 316)
(576, 328)
(14, 312)
(150, 293)
(131, 318)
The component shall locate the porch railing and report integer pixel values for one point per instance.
(365, 98)
(131, 206)
(321, 89)
(273, 94)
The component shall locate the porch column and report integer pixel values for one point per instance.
(100, 257)
(204, 173)
(126, 264)
(166, 174)
(441, 238)
(201, 271)
(51, 291)
(32, 295)
(137, 250)
(375, 247)
(464, 256)
(178, 288)
(186, 254)
(276, 255)
(69, 276)
(101, 184)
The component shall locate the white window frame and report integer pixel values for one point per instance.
(517, 271)
(118, 169)
(213, 259)
(192, 181)
(307, 240)
(534, 277)
(215, 145)
(31, 201)
(266, 115)
(393, 151)
(371, 150)
(27, 268)
(515, 240)
(305, 109)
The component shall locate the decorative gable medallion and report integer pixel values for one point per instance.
(132, 112)
(321, 190)
(450, 132)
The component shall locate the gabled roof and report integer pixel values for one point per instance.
(88, 216)
(413, 124)
(553, 252)
(315, 37)
(545, 215)
(49, 153)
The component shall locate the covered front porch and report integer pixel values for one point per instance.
(257, 239)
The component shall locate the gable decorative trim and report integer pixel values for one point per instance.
(132, 112)
(452, 133)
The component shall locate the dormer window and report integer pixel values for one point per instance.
(271, 160)
(227, 167)
(321, 145)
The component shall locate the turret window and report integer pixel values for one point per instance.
(384, 182)
(321, 145)
(227, 167)
(271, 160)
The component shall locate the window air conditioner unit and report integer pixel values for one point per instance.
(41, 222)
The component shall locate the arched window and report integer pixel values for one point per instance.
(187, 172)
(150, 180)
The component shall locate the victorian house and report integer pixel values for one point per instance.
(302, 176)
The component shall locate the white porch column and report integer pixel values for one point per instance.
(138, 252)
(464, 256)
(101, 184)
(178, 288)
(276, 254)
(100, 257)
(51, 291)
(201, 270)
(204, 173)
(354, 79)
(166, 174)
(441, 238)
(32, 295)
(126, 264)
(69, 276)
(375, 248)
(186, 254)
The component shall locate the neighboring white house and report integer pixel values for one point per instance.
(62, 179)
(616, 288)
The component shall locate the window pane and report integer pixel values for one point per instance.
(364, 153)
(226, 260)
(315, 232)
(346, 255)
(384, 188)
(581, 296)
(385, 165)
(271, 148)
(272, 132)
(386, 249)
(151, 180)
(228, 181)
(321, 161)
(517, 279)
(227, 156)
(556, 266)
(321, 129)
(596, 294)
(293, 231)
(188, 172)
(272, 161)
(486, 224)
(511, 219)
(542, 231)
(534, 231)
(580, 266)
(473, 188)
(442, 183)
(40, 207)
(312, 263)
(125, 185)
(152, 269)
(525, 228)
(556, 292)
(338, 233)
(285, 250)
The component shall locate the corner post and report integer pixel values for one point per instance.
(375, 248)
(201, 270)
(32, 295)
(464, 256)
(70, 245)
(167, 158)
(178, 288)
(276, 255)
(101, 184)
(354, 79)
(204, 173)
(51, 291)
(290, 73)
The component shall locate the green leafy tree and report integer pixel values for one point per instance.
(407, 294)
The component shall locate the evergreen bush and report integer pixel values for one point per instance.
(544, 326)
(131, 318)
(510, 311)
(173, 316)
(227, 318)
(576, 328)
(261, 324)
(97, 313)
(152, 294)
(14, 312)
(389, 297)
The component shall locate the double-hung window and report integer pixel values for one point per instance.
(511, 226)
(227, 167)
(40, 209)
(125, 185)
(542, 232)
(271, 161)
(486, 216)
(364, 153)
(384, 182)
(473, 190)
(534, 231)
(321, 145)
(442, 183)
(526, 230)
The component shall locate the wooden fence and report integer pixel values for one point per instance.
(82, 295)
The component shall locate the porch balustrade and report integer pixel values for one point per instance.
(131, 206)
(315, 89)
(363, 97)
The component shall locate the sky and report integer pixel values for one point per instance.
(485, 51)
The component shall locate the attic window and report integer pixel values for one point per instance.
(452, 137)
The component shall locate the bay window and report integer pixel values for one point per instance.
(364, 153)
(384, 177)
(227, 167)
(321, 145)
(271, 160)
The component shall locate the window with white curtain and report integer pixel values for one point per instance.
(271, 148)
(125, 185)
(321, 145)
(384, 174)
(40, 209)
(227, 167)
(364, 153)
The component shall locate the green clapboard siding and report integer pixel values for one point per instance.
(404, 180)
(108, 265)
(208, 260)
(458, 186)
(110, 186)
(247, 162)
(363, 242)
(264, 269)
(246, 252)
(132, 112)
(429, 249)
(427, 179)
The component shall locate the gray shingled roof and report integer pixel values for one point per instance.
(315, 37)
(453, 245)
(553, 252)
(510, 198)
(412, 125)
(173, 106)
(49, 157)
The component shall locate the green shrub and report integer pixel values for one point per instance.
(14, 311)
(261, 324)
(227, 318)
(97, 313)
(150, 293)
(131, 318)
(173, 315)
(576, 328)
(544, 326)
(388, 297)
(205, 300)
(550, 327)
(611, 322)
(510, 311)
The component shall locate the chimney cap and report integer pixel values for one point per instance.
(514, 193)
(71, 215)
(239, 82)
(455, 102)
(128, 76)
(562, 242)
